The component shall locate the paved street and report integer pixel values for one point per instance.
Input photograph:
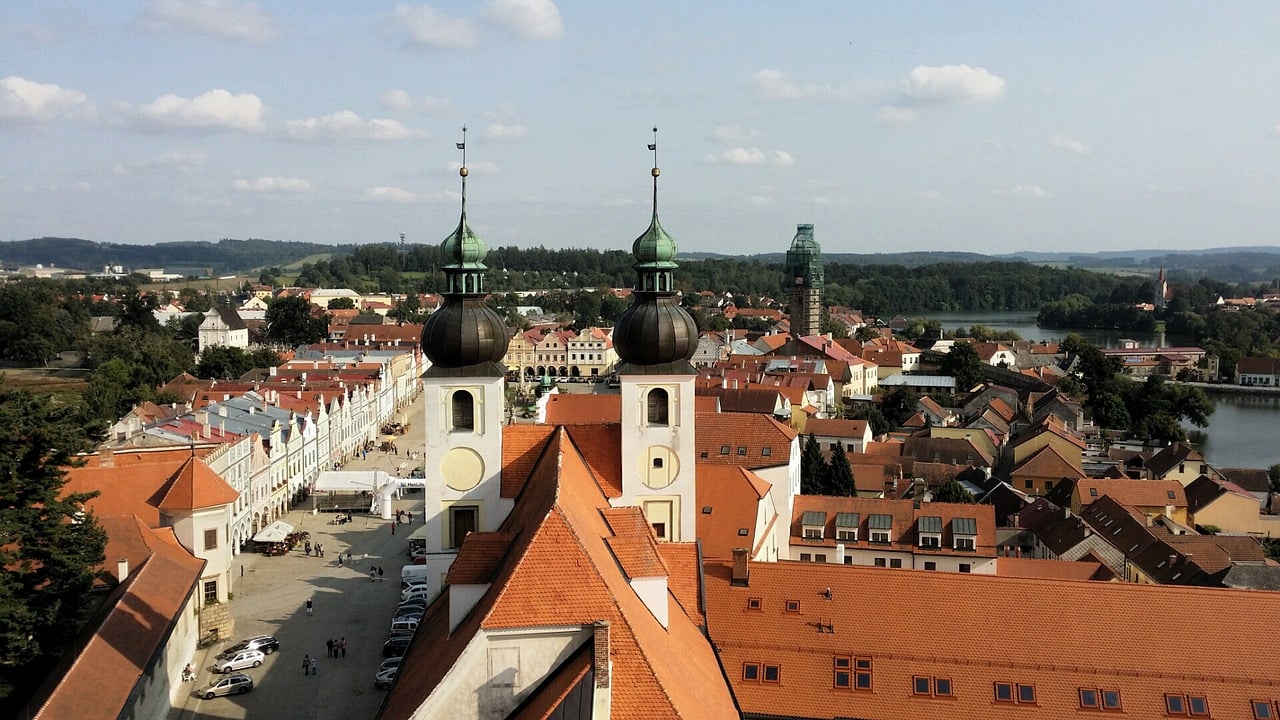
(270, 600)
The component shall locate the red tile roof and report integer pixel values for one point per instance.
(1134, 493)
(765, 441)
(575, 409)
(733, 495)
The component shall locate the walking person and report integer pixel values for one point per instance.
(379, 572)
(373, 574)
(309, 607)
(313, 667)
(342, 645)
(306, 664)
(329, 647)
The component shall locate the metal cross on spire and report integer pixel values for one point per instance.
(462, 171)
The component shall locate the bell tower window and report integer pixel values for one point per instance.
(463, 411)
(657, 403)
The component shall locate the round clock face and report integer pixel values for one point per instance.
(658, 466)
(462, 468)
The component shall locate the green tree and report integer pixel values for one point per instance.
(813, 468)
(48, 547)
(138, 311)
(839, 473)
(342, 303)
(898, 406)
(586, 309)
(963, 364)
(223, 362)
(289, 321)
(112, 390)
(1273, 475)
(952, 492)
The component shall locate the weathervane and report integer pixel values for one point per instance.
(655, 172)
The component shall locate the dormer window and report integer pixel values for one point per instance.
(813, 524)
(847, 526)
(964, 533)
(656, 406)
(880, 527)
(929, 532)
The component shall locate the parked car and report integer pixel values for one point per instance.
(229, 685)
(384, 678)
(391, 662)
(415, 592)
(265, 643)
(396, 645)
(410, 607)
(413, 616)
(239, 661)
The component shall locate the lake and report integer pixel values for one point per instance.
(1242, 431)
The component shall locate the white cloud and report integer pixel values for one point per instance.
(272, 185)
(183, 161)
(1071, 145)
(750, 156)
(225, 19)
(401, 196)
(896, 115)
(500, 132)
(1025, 191)
(528, 19)
(952, 84)
(397, 100)
(770, 84)
(214, 110)
(347, 125)
(734, 134)
(427, 28)
(24, 101)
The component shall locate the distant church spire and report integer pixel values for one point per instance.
(805, 283)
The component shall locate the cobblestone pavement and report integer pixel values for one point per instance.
(270, 597)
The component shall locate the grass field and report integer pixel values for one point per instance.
(58, 381)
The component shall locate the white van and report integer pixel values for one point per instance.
(409, 573)
(402, 626)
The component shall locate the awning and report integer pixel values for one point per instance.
(275, 532)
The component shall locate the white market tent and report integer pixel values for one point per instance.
(351, 480)
(273, 533)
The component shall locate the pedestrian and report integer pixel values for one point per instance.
(188, 674)
(342, 645)
(410, 517)
(393, 527)
(373, 575)
(329, 647)
(339, 559)
(379, 572)
(308, 606)
(313, 667)
(306, 664)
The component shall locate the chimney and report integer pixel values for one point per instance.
(600, 638)
(1173, 559)
(1066, 513)
(271, 371)
(122, 570)
(918, 493)
(740, 570)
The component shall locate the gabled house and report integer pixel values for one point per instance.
(853, 434)
(1178, 462)
(223, 326)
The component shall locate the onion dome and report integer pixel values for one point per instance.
(465, 336)
(655, 334)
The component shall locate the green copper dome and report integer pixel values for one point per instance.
(655, 249)
(464, 249)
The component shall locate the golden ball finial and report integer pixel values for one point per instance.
(463, 171)
(655, 172)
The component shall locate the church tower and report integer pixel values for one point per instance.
(465, 341)
(655, 339)
(1161, 299)
(805, 283)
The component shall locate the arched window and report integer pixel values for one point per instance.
(464, 411)
(657, 407)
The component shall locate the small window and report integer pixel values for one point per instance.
(806, 557)
(841, 679)
(742, 532)
(657, 463)
(1111, 699)
(1170, 494)
(920, 685)
(753, 603)
(1093, 492)
(1088, 698)
(766, 451)
(793, 606)
(1197, 706)
(724, 449)
(742, 450)
(751, 671)
(463, 408)
(848, 559)
(842, 662)
(881, 562)
(942, 687)
(964, 543)
(966, 567)
(1031, 485)
(930, 565)
(862, 673)
(211, 591)
(772, 673)
(657, 407)
(1175, 705)
(1004, 692)
(211, 539)
(1262, 710)
(1026, 693)
(895, 562)
(706, 509)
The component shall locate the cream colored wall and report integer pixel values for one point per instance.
(1233, 513)
(638, 437)
(486, 682)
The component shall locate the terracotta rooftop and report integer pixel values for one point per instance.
(575, 409)
(1134, 493)
(728, 504)
(743, 439)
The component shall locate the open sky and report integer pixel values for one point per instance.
(986, 127)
